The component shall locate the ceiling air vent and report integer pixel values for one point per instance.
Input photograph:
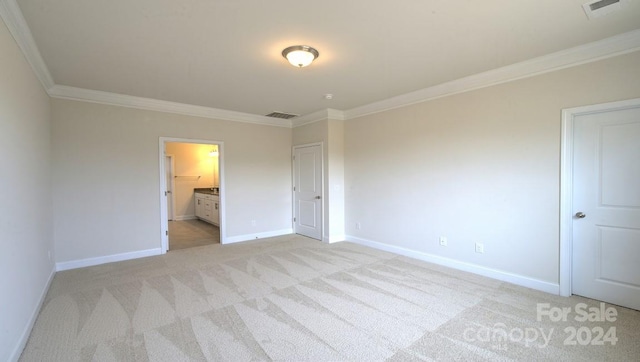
(282, 115)
(597, 8)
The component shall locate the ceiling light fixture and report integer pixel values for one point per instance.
(300, 55)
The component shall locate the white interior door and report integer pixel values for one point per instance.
(168, 168)
(606, 207)
(307, 183)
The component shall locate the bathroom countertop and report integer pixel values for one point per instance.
(208, 191)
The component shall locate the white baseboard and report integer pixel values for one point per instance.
(461, 265)
(74, 264)
(246, 237)
(17, 351)
(185, 217)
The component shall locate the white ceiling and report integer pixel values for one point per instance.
(225, 54)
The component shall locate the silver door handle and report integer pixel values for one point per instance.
(581, 215)
(318, 197)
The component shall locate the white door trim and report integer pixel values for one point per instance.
(173, 188)
(164, 223)
(293, 182)
(566, 182)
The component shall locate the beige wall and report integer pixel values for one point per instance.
(482, 166)
(194, 168)
(25, 197)
(106, 176)
(311, 133)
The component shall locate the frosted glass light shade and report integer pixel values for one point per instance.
(300, 55)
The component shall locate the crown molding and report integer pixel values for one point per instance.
(114, 99)
(335, 114)
(12, 17)
(320, 115)
(587, 53)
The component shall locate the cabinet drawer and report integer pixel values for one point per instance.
(205, 196)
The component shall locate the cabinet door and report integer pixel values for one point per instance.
(215, 216)
(208, 210)
(199, 207)
(208, 205)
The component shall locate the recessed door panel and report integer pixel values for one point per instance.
(617, 255)
(617, 171)
(308, 179)
(307, 213)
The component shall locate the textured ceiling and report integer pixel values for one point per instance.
(226, 54)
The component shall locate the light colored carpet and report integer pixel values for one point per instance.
(190, 233)
(294, 299)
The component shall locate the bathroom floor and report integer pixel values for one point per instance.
(190, 233)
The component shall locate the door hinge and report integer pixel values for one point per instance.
(294, 188)
(165, 193)
(294, 219)
(166, 232)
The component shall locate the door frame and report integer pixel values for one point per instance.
(293, 182)
(566, 183)
(164, 222)
(173, 187)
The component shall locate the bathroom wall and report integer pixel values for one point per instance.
(194, 168)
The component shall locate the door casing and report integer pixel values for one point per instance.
(164, 221)
(566, 183)
(171, 197)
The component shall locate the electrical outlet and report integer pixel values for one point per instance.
(253, 223)
(443, 241)
(479, 248)
(358, 226)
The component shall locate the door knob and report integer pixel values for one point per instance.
(318, 197)
(580, 215)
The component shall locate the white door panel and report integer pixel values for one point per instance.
(619, 249)
(307, 214)
(308, 191)
(618, 170)
(307, 172)
(606, 241)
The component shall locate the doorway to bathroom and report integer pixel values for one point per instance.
(192, 193)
